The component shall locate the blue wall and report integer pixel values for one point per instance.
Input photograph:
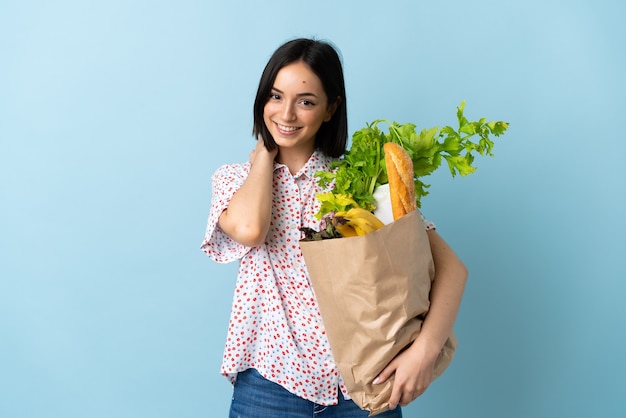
(114, 114)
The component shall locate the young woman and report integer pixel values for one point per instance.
(277, 354)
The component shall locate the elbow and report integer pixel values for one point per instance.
(460, 271)
(463, 272)
(249, 235)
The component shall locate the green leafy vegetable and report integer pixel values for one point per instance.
(362, 168)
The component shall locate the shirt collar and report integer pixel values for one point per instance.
(317, 162)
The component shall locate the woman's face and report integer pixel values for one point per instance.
(296, 108)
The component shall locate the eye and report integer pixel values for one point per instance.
(274, 96)
(306, 102)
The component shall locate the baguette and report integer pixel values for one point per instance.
(401, 180)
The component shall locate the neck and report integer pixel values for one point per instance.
(293, 159)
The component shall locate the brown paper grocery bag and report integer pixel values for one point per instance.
(373, 293)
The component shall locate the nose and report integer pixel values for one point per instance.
(289, 112)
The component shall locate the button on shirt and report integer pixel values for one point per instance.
(275, 324)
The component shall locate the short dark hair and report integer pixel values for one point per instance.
(323, 59)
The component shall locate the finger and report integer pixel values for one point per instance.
(384, 375)
(409, 396)
(396, 395)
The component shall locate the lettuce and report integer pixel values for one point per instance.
(354, 177)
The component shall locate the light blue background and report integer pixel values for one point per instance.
(114, 114)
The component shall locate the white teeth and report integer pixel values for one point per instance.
(287, 128)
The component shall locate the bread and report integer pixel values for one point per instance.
(401, 180)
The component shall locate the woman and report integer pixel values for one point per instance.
(277, 353)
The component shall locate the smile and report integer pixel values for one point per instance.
(286, 129)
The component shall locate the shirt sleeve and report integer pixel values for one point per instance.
(429, 224)
(217, 244)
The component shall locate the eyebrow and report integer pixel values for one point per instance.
(297, 95)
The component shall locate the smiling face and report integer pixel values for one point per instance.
(296, 108)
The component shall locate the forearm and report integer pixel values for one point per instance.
(446, 294)
(247, 218)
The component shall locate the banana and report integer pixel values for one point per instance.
(356, 222)
(362, 226)
(360, 213)
(345, 230)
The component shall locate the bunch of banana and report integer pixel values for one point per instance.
(356, 222)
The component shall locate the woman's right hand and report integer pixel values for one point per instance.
(262, 151)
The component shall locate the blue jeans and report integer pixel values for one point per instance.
(256, 397)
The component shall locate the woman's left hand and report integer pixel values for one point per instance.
(413, 372)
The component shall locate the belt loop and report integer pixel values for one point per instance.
(318, 408)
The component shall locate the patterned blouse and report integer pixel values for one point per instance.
(275, 324)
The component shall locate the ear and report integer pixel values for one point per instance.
(332, 109)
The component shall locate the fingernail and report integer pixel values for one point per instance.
(376, 381)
